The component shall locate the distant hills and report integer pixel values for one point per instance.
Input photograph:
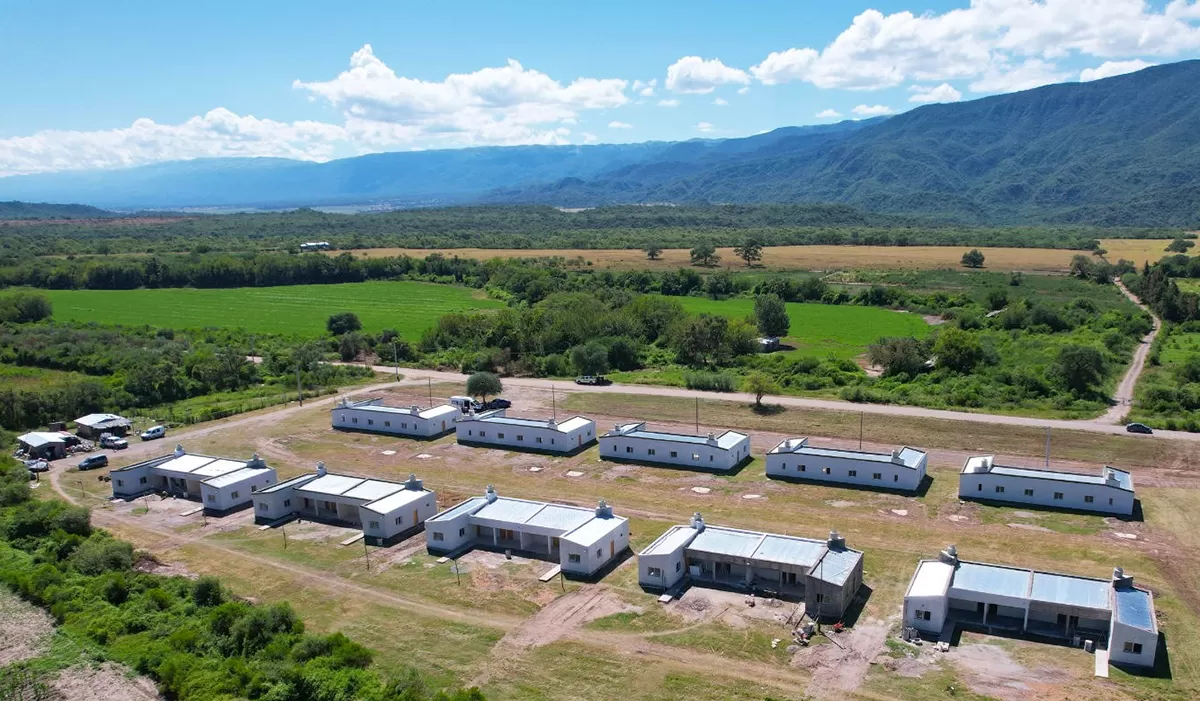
(1114, 152)
(43, 210)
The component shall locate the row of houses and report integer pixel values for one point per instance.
(826, 574)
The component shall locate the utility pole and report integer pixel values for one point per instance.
(1047, 446)
(861, 418)
(697, 416)
(429, 380)
(366, 554)
(457, 577)
(284, 529)
(553, 405)
(396, 359)
(299, 392)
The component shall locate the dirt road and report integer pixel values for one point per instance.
(1123, 399)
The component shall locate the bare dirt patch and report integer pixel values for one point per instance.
(108, 681)
(565, 615)
(27, 629)
(149, 564)
(990, 670)
(840, 665)
(1030, 527)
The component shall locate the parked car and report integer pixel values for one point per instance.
(464, 404)
(1138, 428)
(92, 462)
(154, 432)
(498, 403)
(592, 380)
(113, 442)
(37, 465)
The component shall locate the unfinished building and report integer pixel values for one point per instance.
(220, 484)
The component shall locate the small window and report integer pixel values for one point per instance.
(650, 451)
(599, 553)
(1110, 503)
(437, 535)
(826, 470)
(820, 598)
(979, 487)
(539, 440)
(355, 419)
(461, 532)
(1058, 496)
(678, 565)
(653, 572)
(783, 466)
(628, 449)
(234, 495)
(388, 424)
(895, 478)
(801, 468)
(374, 525)
(500, 436)
(710, 458)
(399, 520)
(121, 483)
(696, 457)
(142, 480)
(287, 502)
(1028, 492)
(551, 441)
(1133, 648)
(520, 437)
(482, 434)
(370, 422)
(925, 615)
(1089, 499)
(853, 473)
(573, 557)
(674, 454)
(263, 506)
(877, 476)
(212, 497)
(999, 489)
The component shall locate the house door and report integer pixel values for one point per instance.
(612, 548)
(1072, 622)
(443, 426)
(993, 609)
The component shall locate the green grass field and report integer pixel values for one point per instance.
(17, 377)
(408, 307)
(819, 330)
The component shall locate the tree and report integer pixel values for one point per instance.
(973, 258)
(1080, 367)
(770, 315)
(698, 340)
(903, 355)
(997, 299)
(483, 385)
(350, 345)
(705, 255)
(342, 323)
(590, 358)
(1180, 246)
(1081, 266)
(750, 251)
(759, 383)
(653, 251)
(957, 350)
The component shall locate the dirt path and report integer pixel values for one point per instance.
(1123, 398)
(841, 665)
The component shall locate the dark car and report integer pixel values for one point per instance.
(92, 462)
(1139, 428)
(498, 403)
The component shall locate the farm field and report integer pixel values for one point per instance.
(816, 257)
(408, 307)
(498, 627)
(820, 330)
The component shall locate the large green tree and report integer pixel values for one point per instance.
(1080, 367)
(705, 255)
(957, 350)
(759, 384)
(484, 385)
(771, 316)
(342, 322)
(901, 355)
(749, 251)
(590, 358)
(973, 258)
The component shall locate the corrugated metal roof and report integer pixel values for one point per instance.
(1071, 591)
(455, 511)
(675, 538)
(237, 476)
(835, 567)
(723, 541)
(573, 423)
(510, 510)
(291, 482)
(35, 439)
(219, 467)
(594, 531)
(729, 439)
(563, 518)
(909, 457)
(99, 420)
(932, 579)
(991, 579)
(185, 464)
(790, 551)
(395, 501)
(513, 421)
(333, 485)
(1135, 608)
(371, 489)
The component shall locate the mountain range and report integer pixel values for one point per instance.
(1119, 151)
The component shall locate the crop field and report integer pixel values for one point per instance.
(408, 307)
(820, 330)
(816, 257)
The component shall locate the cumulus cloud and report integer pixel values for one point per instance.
(645, 88)
(619, 125)
(668, 103)
(720, 102)
(704, 127)
(590, 138)
(828, 114)
(1110, 68)
(984, 42)
(743, 91)
(219, 132)
(692, 74)
(872, 110)
(923, 94)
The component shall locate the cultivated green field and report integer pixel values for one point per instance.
(819, 330)
(408, 307)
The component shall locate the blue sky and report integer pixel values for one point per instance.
(89, 85)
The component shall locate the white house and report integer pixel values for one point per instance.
(93, 425)
(1110, 492)
(949, 592)
(824, 573)
(220, 484)
(633, 443)
(494, 429)
(383, 509)
(372, 416)
(795, 458)
(582, 541)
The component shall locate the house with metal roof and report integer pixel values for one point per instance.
(902, 469)
(373, 416)
(220, 484)
(582, 541)
(48, 445)
(825, 574)
(1110, 614)
(93, 426)
(1110, 492)
(633, 443)
(385, 510)
(494, 429)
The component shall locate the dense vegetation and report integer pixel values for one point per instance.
(194, 638)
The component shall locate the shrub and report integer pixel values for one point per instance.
(709, 381)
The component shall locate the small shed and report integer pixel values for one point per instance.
(93, 425)
(48, 445)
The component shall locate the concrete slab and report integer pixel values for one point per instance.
(196, 510)
(666, 598)
(353, 539)
(551, 574)
(1102, 663)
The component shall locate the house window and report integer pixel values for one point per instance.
(551, 441)
(895, 478)
(820, 598)
(653, 572)
(212, 497)
(520, 437)
(461, 532)
(374, 525)
(650, 451)
(925, 615)
(1133, 648)
(370, 422)
(783, 466)
(287, 502)
(482, 434)
(853, 473)
(437, 535)
(263, 506)
(388, 424)
(979, 487)
(120, 483)
(500, 436)
(801, 468)
(234, 495)
(142, 480)
(999, 489)
(1028, 492)
(1089, 499)
(877, 476)
(405, 425)
(355, 419)
(599, 553)
(678, 566)
(710, 458)
(399, 520)
(573, 557)
(1110, 501)
(696, 457)
(674, 454)
(539, 440)
(1058, 496)
(507, 534)
(628, 449)
(826, 470)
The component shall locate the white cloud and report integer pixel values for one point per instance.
(668, 103)
(743, 91)
(923, 94)
(704, 127)
(985, 42)
(619, 125)
(590, 138)
(645, 89)
(872, 110)
(828, 114)
(217, 133)
(692, 74)
(720, 102)
(1109, 69)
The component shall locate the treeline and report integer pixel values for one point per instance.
(1158, 290)
(530, 227)
(193, 638)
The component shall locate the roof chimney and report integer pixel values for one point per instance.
(413, 484)
(490, 494)
(321, 469)
(256, 461)
(896, 455)
(698, 522)
(179, 452)
(1120, 579)
(949, 556)
(603, 510)
(712, 438)
(836, 541)
(415, 409)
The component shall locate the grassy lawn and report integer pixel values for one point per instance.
(17, 377)
(821, 330)
(408, 307)
(1163, 398)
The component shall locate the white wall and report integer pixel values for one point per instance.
(233, 495)
(671, 565)
(1121, 634)
(279, 504)
(597, 555)
(707, 456)
(361, 419)
(132, 481)
(935, 605)
(454, 533)
(984, 486)
(388, 527)
(891, 475)
(475, 431)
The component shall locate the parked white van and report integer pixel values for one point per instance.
(464, 404)
(154, 432)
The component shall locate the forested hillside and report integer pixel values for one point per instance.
(42, 210)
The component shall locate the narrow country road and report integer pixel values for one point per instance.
(1123, 399)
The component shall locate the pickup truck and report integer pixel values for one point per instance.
(113, 442)
(592, 380)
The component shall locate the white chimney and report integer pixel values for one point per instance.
(836, 541)
(321, 469)
(413, 484)
(712, 438)
(179, 452)
(603, 510)
(698, 522)
(896, 455)
(949, 556)
(490, 494)
(416, 409)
